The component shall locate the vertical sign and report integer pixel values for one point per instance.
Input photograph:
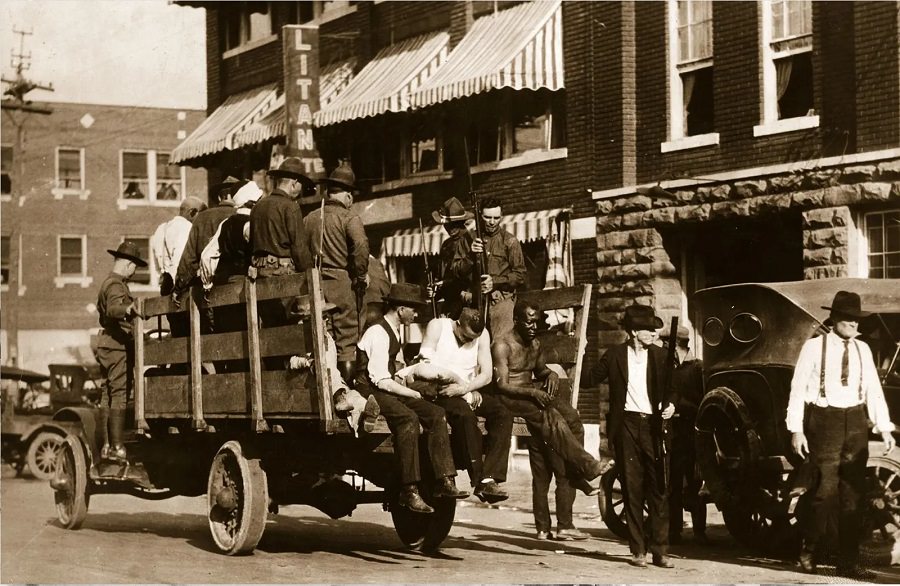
(301, 96)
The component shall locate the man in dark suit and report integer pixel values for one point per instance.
(639, 405)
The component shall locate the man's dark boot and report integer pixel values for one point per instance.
(807, 561)
(446, 488)
(116, 433)
(410, 499)
(102, 422)
(347, 368)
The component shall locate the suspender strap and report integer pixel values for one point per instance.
(862, 399)
(822, 370)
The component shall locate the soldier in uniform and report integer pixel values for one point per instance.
(335, 234)
(455, 282)
(115, 351)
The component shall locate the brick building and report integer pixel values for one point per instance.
(84, 178)
(679, 144)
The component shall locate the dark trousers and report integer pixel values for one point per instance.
(641, 479)
(838, 447)
(684, 482)
(403, 415)
(560, 427)
(481, 457)
(117, 365)
(546, 464)
(336, 289)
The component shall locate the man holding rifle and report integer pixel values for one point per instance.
(641, 400)
(455, 286)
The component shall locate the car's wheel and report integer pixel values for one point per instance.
(424, 531)
(42, 453)
(881, 512)
(238, 498)
(611, 502)
(70, 484)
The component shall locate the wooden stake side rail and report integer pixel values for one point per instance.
(253, 394)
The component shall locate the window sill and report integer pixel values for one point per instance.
(690, 142)
(417, 179)
(61, 192)
(6, 197)
(249, 46)
(786, 125)
(526, 158)
(84, 282)
(168, 203)
(4, 288)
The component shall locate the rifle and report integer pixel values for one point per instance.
(428, 274)
(480, 260)
(662, 449)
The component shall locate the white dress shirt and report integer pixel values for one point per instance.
(167, 244)
(375, 343)
(637, 397)
(862, 381)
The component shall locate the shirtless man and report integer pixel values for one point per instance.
(528, 389)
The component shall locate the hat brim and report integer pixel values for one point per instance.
(410, 302)
(306, 181)
(328, 182)
(219, 188)
(642, 323)
(849, 313)
(442, 219)
(135, 259)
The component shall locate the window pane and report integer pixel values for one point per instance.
(892, 231)
(168, 178)
(530, 119)
(778, 31)
(795, 85)
(7, 163)
(69, 168)
(260, 20)
(70, 256)
(135, 176)
(423, 149)
(141, 274)
(892, 268)
(698, 101)
(799, 17)
(4, 260)
(70, 246)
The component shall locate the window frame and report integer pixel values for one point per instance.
(773, 48)
(153, 285)
(151, 156)
(866, 253)
(9, 172)
(678, 139)
(71, 279)
(245, 31)
(58, 190)
(4, 287)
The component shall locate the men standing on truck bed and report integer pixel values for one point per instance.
(403, 408)
(455, 284)
(115, 349)
(335, 235)
(517, 360)
(835, 391)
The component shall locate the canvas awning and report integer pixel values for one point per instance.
(386, 82)
(217, 132)
(518, 48)
(526, 227)
(271, 123)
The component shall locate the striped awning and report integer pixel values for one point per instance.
(525, 227)
(386, 82)
(518, 48)
(271, 122)
(216, 133)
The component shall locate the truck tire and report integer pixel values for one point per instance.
(70, 490)
(42, 454)
(238, 500)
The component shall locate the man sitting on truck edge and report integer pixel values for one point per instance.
(379, 350)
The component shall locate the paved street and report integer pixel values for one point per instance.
(128, 540)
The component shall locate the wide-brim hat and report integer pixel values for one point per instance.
(129, 251)
(641, 317)
(848, 304)
(452, 211)
(681, 333)
(406, 294)
(342, 177)
(231, 184)
(293, 168)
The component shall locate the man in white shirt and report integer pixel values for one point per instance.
(166, 246)
(827, 416)
(379, 352)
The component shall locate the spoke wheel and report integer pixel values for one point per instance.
(881, 512)
(611, 502)
(425, 532)
(237, 497)
(71, 495)
(41, 456)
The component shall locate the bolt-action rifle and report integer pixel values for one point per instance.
(662, 448)
(428, 274)
(479, 260)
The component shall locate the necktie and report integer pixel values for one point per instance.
(845, 363)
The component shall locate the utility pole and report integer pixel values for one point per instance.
(18, 110)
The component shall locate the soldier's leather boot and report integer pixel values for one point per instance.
(102, 422)
(116, 433)
(347, 368)
(412, 500)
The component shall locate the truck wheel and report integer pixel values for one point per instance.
(424, 532)
(70, 484)
(611, 502)
(238, 498)
(881, 511)
(42, 452)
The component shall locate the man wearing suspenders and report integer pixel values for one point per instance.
(835, 389)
